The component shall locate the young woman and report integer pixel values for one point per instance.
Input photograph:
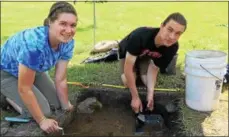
(28, 55)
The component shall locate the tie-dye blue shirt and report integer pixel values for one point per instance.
(31, 48)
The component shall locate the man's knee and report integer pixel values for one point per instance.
(124, 81)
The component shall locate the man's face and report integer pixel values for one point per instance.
(64, 27)
(170, 32)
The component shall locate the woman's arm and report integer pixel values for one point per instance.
(61, 84)
(26, 79)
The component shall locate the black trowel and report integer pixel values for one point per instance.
(149, 118)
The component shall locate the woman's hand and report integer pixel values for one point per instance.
(49, 125)
(70, 107)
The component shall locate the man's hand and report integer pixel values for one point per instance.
(136, 104)
(150, 104)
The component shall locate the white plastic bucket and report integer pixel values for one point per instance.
(204, 71)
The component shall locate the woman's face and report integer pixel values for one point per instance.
(64, 27)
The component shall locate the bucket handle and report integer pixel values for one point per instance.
(210, 73)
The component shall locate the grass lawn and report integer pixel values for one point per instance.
(207, 29)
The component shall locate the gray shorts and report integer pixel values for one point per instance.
(43, 88)
(140, 67)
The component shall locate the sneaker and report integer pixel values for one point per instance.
(3, 102)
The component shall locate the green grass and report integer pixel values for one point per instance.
(114, 20)
(196, 123)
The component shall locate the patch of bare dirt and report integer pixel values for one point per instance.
(217, 123)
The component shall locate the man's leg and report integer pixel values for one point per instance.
(9, 88)
(143, 66)
(145, 74)
(149, 79)
(47, 87)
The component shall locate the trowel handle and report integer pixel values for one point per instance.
(15, 119)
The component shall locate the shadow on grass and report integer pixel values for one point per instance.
(191, 120)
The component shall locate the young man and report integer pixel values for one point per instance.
(149, 50)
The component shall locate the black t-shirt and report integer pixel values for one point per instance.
(140, 43)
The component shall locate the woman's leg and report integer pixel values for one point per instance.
(9, 88)
(46, 85)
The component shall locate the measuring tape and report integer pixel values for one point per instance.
(117, 86)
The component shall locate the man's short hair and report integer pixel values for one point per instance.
(178, 17)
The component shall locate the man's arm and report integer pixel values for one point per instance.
(130, 78)
(129, 73)
(25, 82)
(61, 83)
(151, 81)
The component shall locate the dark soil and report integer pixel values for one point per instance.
(112, 122)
